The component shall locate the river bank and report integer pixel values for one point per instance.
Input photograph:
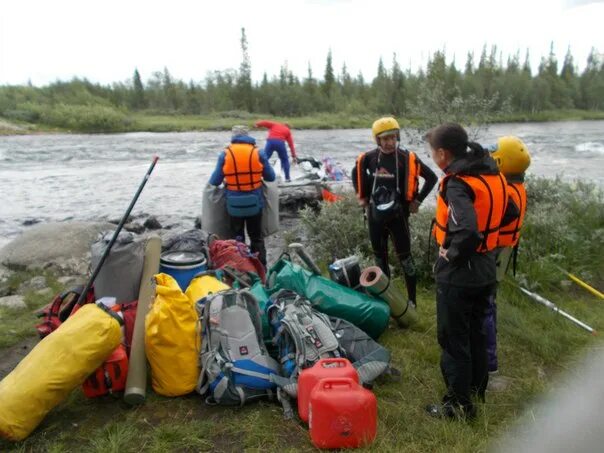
(143, 122)
(537, 347)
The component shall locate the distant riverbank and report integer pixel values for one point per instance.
(149, 122)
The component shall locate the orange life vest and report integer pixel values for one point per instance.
(412, 175)
(412, 170)
(490, 202)
(242, 167)
(509, 235)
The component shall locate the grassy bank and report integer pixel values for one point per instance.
(535, 347)
(147, 122)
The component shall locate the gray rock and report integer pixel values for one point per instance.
(134, 227)
(35, 283)
(64, 247)
(4, 274)
(152, 223)
(498, 383)
(70, 281)
(44, 292)
(12, 302)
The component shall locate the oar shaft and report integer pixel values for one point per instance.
(581, 283)
(117, 231)
(575, 320)
(554, 307)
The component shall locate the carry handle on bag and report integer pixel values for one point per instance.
(117, 232)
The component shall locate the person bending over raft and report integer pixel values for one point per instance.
(471, 205)
(386, 183)
(278, 134)
(243, 167)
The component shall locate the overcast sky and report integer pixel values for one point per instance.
(46, 40)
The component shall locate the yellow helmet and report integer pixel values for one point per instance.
(511, 155)
(385, 126)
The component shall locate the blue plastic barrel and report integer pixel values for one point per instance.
(183, 266)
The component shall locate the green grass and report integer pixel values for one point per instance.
(17, 324)
(535, 345)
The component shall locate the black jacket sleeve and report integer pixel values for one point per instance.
(430, 180)
(463, 236)
(512, 212)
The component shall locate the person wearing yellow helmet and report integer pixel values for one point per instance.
(513, 159)
(386, 181)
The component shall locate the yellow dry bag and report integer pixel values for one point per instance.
(58, 364)
(171, 339)
(203, 285)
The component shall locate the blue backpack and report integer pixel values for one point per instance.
(235, 365)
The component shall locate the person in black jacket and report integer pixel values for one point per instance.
(472, 204)
(386, 183)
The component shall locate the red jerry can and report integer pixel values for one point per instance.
(324, 368)
(342, 414)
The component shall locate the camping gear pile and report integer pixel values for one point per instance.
(231, 331)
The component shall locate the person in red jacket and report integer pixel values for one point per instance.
(278, 134)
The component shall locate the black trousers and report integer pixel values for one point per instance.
(397, 228)
(253, 225)
(461, 332)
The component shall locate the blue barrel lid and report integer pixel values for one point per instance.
(182, 258)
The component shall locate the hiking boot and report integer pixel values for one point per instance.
(449, 412)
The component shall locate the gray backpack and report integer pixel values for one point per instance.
(370, 359)
(302, 336)
(235, 366)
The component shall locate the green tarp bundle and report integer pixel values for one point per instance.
(259, 292)
(366, 312)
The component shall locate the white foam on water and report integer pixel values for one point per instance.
(590, 147)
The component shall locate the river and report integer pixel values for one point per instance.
(60, 177)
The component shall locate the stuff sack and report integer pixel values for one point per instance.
(370, 359)
(185, 241)
(171, 339)
(214, 216)
(235, 366)
(270, 213)
(120, 275)
(57, 365)
(368, 313)
(61, 307)
(302, 336)
(203, 285)
(110, 377)
(235, 255)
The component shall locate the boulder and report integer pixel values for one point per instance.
(12, 302)
(4, 274)
(152, 223)
(35, 283)
(65, 247)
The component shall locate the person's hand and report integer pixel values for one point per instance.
(442, 253)
(294, 160)
(414, 206)
(362, 202)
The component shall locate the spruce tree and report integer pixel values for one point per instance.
(245, 96)
(138, 98)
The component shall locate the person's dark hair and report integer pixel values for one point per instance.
(453, 137)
